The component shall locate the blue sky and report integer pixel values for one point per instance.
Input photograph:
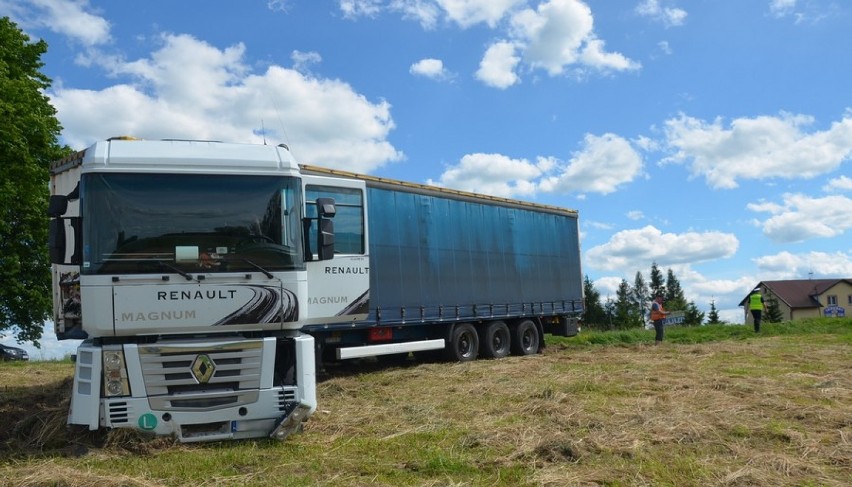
(711, 137)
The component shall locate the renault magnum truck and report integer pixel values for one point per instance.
(207, 281)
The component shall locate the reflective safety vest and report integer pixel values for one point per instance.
(755, 301)
(657, 312)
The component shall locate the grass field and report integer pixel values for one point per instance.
(711, 406)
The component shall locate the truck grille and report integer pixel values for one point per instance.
(206, 376)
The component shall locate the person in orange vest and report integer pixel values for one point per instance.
(658, 314)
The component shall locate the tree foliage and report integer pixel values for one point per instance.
(773, 310)
(673, 296)
(693, 316)
(594, 315)
(623, 317)
(713, 315)
(658, 283)
(29, 132)
(629, 309)
(641, 298)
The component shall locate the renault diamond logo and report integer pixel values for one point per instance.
(203, 368)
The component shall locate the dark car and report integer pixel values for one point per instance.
(12, 353)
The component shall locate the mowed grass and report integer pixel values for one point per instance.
(711, 406)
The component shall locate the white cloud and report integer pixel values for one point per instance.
(669, 16)
(842, 183)
(559, 34)
(430, 68)
(758, 148)
(801, 217)
(817, 265)
(635, 215)
(424, 11)
(360, 8)
(471, 12)
(604, 163)
(492, 174)
(497, 68)
(279, 5)
(781, 8)
(556, 36)
(190, 89)
(303, 60)
(629, 250)
(66, 17)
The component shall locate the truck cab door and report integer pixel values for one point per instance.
(338, 287)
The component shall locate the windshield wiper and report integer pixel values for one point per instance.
(261, 269)
(169, 266)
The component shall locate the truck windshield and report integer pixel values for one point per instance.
(156, 223)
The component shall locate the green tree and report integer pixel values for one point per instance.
(625, 314)
(673, 296)
(773, 310)
(658, 283)
(641, 298)
(594, 315)
(713, 315)
(29, 132)
(693, 316)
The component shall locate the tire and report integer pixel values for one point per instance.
(525, 338)
(463, 343)
(496, 340)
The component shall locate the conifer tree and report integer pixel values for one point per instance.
(713, 315)
(773, 310)
(594, 316)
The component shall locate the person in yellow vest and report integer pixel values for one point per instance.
(756, 305)
(658, 314)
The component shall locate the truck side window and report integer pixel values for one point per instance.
(349, 221)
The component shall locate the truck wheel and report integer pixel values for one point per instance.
(496, 340)
(463, 345)
(525, 338)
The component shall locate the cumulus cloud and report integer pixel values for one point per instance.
(843, 183)
(360, 8)
(559, 34)
(781, 8)
(629, 250)
(302, 61)
(669, 16)
(601, 166)
(819, 265)
(801, 217)
(497, 68)
(493, 174)
(190, 89)
(471, 12)
(758, 148)
(556, 36)
(430, 68)
(70, 18)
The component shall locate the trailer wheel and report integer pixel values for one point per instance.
(496, 340)
(525, 338)
(463, 345)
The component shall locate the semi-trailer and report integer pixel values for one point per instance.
(207, 280)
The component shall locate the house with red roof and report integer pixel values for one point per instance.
(805, 298)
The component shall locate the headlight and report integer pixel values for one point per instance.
(115, 374)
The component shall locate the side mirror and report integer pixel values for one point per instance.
(57, 243)
(325, 229)
(326, 208)
(56, 240)
(57, 206)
